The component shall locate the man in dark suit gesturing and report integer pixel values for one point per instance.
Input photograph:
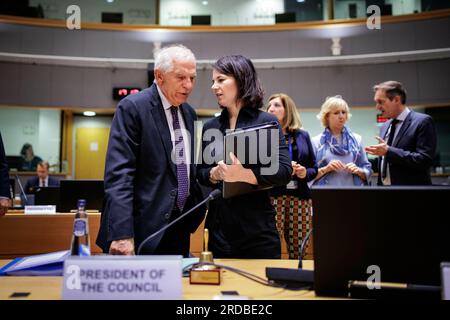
(408, 144)
(150, 176)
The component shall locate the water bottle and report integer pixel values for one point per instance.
(80, 237)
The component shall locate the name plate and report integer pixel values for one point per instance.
(122, 278)
(40, 210)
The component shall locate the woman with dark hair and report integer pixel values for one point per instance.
(29, 160)
(293, 202)
(242, 226)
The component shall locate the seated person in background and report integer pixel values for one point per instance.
(340, 153)
(42, 179)
(29, 161)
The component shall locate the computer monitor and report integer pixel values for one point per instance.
(201, 20)
(386, 10)
(47, 196)
(14, 162)
(72, 190)
(285, 17)
(402, 230)
(112, 17)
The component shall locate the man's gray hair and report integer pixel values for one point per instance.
(165, 57)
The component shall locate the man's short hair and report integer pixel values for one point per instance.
(392, 89)
(44, 164)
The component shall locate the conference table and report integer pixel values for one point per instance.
(25, 235)
(30, 234)
(50, 288)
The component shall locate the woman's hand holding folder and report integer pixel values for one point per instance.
(234, 172)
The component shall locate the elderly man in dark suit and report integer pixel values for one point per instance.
(42, 179)
(150, 176)
(408, 144)
(4, 181)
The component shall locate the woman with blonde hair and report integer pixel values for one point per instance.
(293, 201)
(340, 153)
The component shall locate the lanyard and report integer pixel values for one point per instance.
(290, 146)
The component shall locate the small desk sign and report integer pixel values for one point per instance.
(122, 278)
(40, 210)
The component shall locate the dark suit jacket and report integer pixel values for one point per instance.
(411, 154)
(34, 182)
(140, 178)
(4, 174)
(307, 158)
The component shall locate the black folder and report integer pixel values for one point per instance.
(245, 144)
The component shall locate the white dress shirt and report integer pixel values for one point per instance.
(185, 133)
(43, 182)
(401, 118)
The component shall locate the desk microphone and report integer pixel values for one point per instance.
(213, 195)
(293, 278)
(21, 190)
(302, 249)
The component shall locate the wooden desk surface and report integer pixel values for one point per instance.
(24, 235)
(50, 288)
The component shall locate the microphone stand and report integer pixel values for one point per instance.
(21, 190)
(213, 195)
(293, 278)
(302, 249)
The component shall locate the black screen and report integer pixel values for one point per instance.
(112, 17)
(352, 10)
(14, 162)
(47, 196)
(201, 20)
(285, 17)
(403, 230)
(72, 190)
